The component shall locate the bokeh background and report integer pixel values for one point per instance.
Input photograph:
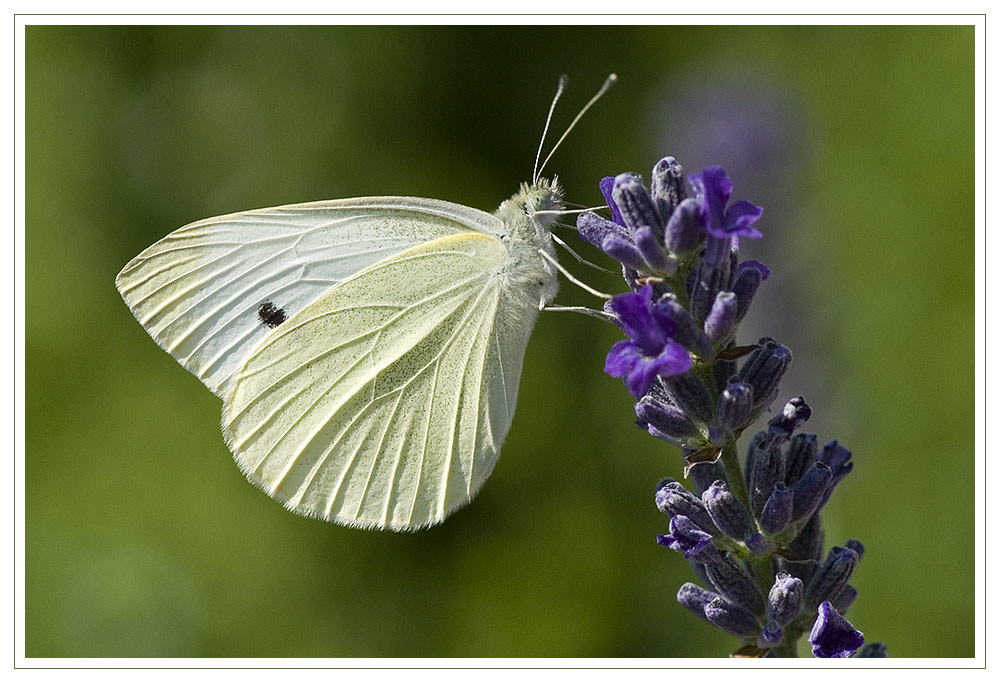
(143, 538)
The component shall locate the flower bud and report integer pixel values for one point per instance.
(777, 512)
(718, 249)
(721, 319)
(657, 411)
(694, 598)
(809, 492)
(768, 470)
(733, 619)
(708, 282)
(726, 511)
(800, 455)
(735, 584)
(764, 369)
(792, 416)
(704, 474)
(784, 600)
(685, 228)
(636, 205)
(689, 394)
(857, 546)
(717, 436)
(699, 569)
(838, 459)
(671, 315)
(745, 285)
(673, 499)
(667, 186)
(830, 579)
(595, 229)
(623, 251)
(652, 252)
(735, 402)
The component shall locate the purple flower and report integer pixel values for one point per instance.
(650, 351)
(833, 635)
(607, 184)
(714, 187)
(726, 226)
(687, 537)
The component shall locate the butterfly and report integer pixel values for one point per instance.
(367, 351)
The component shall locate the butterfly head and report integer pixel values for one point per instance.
(541, 201)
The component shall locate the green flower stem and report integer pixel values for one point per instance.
(731, 463)
(789, 647)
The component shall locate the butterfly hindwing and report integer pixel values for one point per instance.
(384, 401)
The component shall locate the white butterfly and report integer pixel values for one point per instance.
(367, 351)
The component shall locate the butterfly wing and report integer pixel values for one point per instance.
(384, 402)
(211, 291)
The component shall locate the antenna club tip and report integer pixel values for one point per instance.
(563, 80)
(612, 79)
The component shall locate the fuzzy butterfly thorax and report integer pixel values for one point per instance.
(528, 217)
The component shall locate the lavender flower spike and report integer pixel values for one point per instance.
(697, 386)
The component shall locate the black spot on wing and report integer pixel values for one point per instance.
(270, 315)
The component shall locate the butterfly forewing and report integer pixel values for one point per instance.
(384, 402)
(213, 290)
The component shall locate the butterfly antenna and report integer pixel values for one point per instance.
(563, 80)
(608, 82)
(566, 212)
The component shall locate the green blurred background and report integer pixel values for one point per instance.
(143, 538)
